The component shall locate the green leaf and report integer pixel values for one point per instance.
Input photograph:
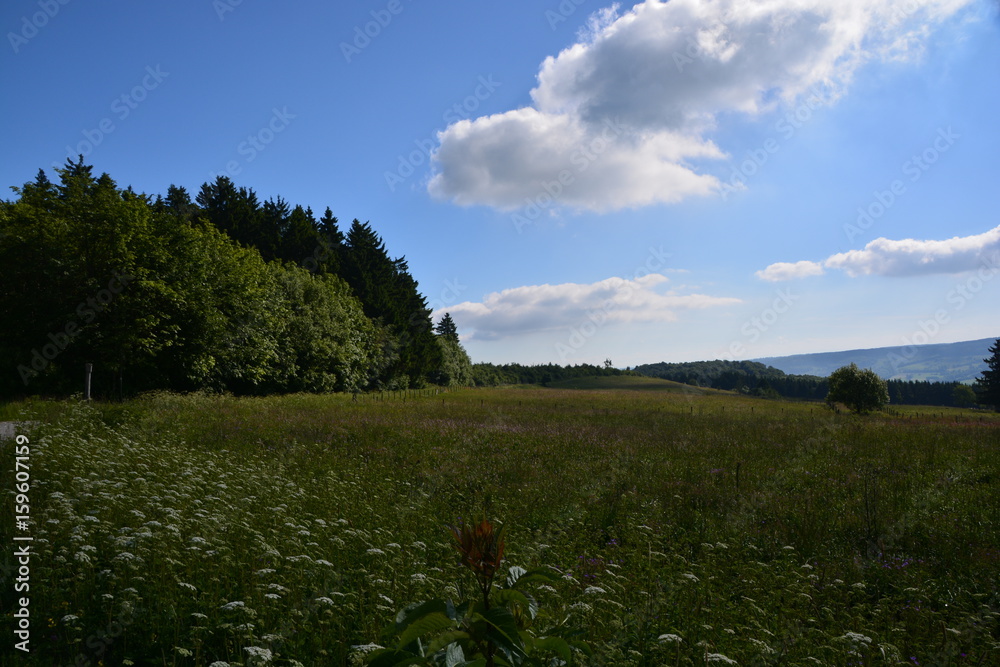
(431, 622)
(513, 574)
(503, 630)
(454, 655)
(507, 596)
(556, 645)
(533, 576)
(416, 611)
(388, 657)
(444, 639)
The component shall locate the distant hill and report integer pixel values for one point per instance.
(946, 362)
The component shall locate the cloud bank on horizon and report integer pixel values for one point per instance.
(537, 308)
(621, 118)
(896, 258)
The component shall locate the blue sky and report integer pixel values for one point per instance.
(573, 181)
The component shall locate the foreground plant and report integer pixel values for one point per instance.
(494, 629)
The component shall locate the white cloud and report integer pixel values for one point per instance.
(660, 74)
(535, 308)
(787, 271)
(510, 160)
(906, 257)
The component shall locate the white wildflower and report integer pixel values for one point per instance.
(258, 655)
(718, 657)
(672, 638)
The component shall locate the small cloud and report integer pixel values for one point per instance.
(537, 308)
(789, 271)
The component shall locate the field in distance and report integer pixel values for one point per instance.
(687, 529)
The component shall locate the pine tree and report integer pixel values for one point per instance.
(988, 384)
(178, 202)
(235, 211)
(446, 328)
(300, 238)
(328, 257)
(272, 227)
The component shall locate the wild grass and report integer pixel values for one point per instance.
(689, 530)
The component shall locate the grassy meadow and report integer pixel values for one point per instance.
(690, 528)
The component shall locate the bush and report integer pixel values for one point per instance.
(861, 390)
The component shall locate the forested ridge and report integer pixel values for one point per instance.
(752, 377)
(221, 292)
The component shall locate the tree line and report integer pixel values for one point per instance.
(494, 375)
(221, 292)
(755, 378)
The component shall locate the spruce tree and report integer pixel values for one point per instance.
(329, 256)
(446, 328)
(988, 383)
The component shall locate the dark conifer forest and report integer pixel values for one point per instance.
(220, 291)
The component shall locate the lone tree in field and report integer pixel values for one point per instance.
(988, 384)
(861, 390)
